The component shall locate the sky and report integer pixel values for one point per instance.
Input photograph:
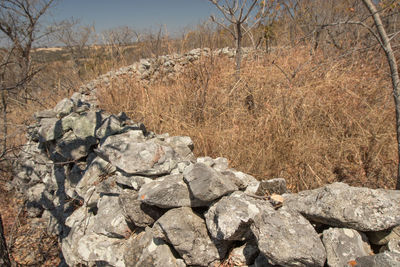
(138, 14)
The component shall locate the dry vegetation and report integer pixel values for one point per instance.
(334, 121)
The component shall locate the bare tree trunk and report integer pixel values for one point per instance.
(385, 44)
(238, 49)
(4, 259)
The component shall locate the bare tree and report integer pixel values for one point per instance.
(237, 13)
(4, 259)
(19, 30)
(384, 42)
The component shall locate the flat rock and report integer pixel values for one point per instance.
(141, 158)
(64, 107)
(385, 259)
(187, 233)
(340, 205)
(230, 218)
(286, 238)
(206, 184)
(167, 192)
(145, 250)
(343, 245)
(137, 212)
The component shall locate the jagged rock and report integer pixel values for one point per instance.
(206, 184)
(167, 192)
(95, 173)
(385, 259)
(187, 233)
(94, 248)
(230, 218)
(383, 237)
(272, 186)
(393, 245)
(109, 220)
(138, 213)
(73, 148)
(244, 255)
(64, 107)
(141, 158)
(50, 129)
(182, 145)
(34, 196)
(145, 250)
(45, 114)
(341, 205)
(343, 245)
(110, 126)
(286, 238)
(76, 226)
(83, 125)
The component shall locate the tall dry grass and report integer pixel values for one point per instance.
(304, 118)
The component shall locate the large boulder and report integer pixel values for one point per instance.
(286, 238)
(187, 233)
(341, 205)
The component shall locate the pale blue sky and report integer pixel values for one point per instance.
(138, 14)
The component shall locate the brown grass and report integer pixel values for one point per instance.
(333, 121)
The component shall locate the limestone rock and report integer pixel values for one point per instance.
(230, 218)
(206, 184)
(272, 186)
(64, 107)
(343, 245)
(383, 237)
(50, 129)
(386, 259)
(244, 255)
(187, 233)
(109, 220)
(286, 238)
(141, 158)
(145, 250)
(94, 248)
(166, 192)
(341, 205)
(138, 213)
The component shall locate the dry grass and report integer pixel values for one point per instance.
(333, 121)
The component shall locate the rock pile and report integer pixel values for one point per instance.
(119, 195)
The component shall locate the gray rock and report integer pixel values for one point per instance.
(73, 148)
(341, 205)
(386, 259)
(64, 107)
(183, 146)
(230, 218)
(110, 126)
(187, 233)
(394, 245)
(97, 171)
(141, 158)
(286, 238)
(50, 129)
(83, 125)
(272, 186)
(93, 248)
(206, 184)
(145, 250)
(343, 245)
(110, 220)
(45, 114)
(136, 212)
(262, 261)
(167, 192)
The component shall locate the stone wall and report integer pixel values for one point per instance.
(117, 194)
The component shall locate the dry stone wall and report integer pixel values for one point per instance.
(117, 194)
